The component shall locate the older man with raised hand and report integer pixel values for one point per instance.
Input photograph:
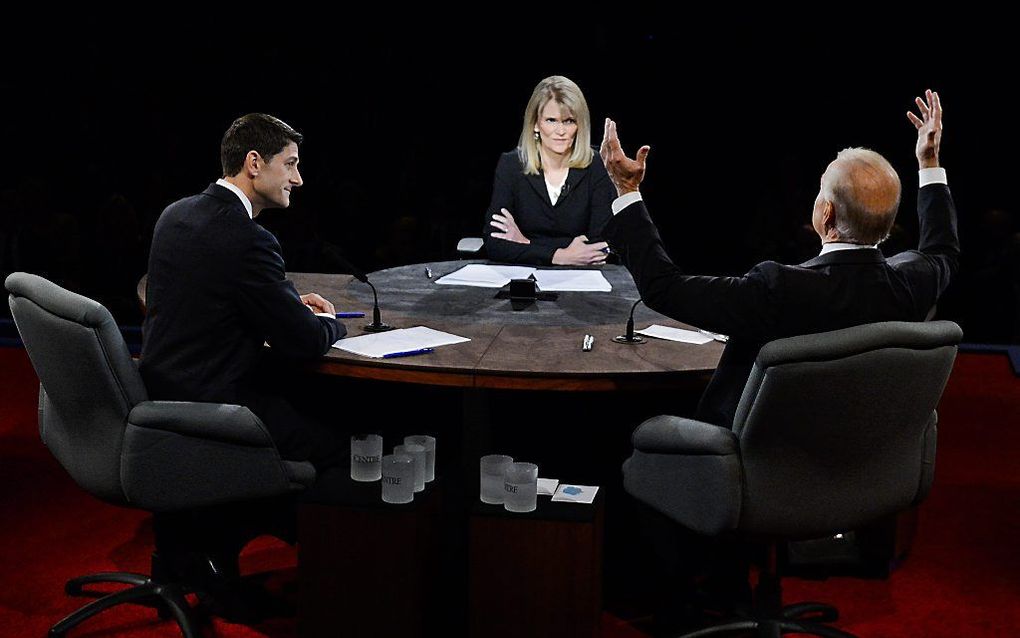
(849, 283)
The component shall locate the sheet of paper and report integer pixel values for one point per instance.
(547, 487)
(485, 276)
(404, 340)
(674, 334)
(575, 493)
(572, 280)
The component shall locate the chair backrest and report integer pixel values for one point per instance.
(89, 381)
(470, 247)
(838, 428)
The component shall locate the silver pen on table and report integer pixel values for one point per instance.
(715, 335)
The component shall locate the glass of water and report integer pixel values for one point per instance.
(493, 466)
(520, 487)
(397, 478)
(429, 443)
(416, 452)
(366, 457)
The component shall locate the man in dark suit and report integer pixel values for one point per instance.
(848, 283)
(216, 293)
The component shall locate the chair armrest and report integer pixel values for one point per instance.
(233, 424)
(675, 435)
(180, 455)
(688, 470)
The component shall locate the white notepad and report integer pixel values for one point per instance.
(674, 334)
(489, 276)
(485, 276)
(572, 280)
(381, 344)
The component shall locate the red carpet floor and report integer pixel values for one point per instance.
(961, 579)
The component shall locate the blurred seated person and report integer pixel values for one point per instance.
(551, 195)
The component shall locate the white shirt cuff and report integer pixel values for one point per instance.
(935, 175)
(623, 201)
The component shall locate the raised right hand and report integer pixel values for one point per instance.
(625, 173)
(929, 129)
(581, 253)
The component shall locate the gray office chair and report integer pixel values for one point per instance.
(160, 456)
(833, 431)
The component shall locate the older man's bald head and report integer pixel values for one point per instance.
(864, 191)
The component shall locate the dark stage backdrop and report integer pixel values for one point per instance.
(104, 127)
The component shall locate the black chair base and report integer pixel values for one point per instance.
(167, 598)
(800, 618)
(769, 618)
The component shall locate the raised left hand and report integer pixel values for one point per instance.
(929, 129)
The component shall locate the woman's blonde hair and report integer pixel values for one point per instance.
(564, 92)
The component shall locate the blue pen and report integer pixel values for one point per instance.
(349, 315)
(407, 353)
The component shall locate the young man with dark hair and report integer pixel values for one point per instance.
(217, 292)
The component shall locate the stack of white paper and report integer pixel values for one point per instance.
(674, 334)
(397, 341)
(485, 276)
(572, 280)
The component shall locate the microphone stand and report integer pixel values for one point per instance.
(377, 325)
(630, 337)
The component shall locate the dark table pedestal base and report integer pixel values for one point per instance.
(371, 571)
(537, 574)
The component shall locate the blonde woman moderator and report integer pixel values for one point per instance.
(551, 195)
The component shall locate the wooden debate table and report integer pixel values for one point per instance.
(538, 348)
(344, 529)
(557, 549)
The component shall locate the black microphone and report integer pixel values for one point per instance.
(630, 337)
(377, 325)
(564, 188)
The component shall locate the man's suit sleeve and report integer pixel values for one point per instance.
(932, 266)
(503, 196)
(939, 240)
(743, 307)
(272, 304)
(602, 195)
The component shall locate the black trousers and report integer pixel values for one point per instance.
(691, 570)
(299, 410)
